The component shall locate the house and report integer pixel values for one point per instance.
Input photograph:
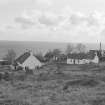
(82, 58)
(28, 60)
(76, 58)
(60, 58)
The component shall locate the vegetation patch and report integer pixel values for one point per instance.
(13, 102)
(82, 82)
(97, 101)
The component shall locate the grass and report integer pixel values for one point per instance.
(70, 85)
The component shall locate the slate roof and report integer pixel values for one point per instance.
(23, 57)
(77, 56)
(89, 55)
(40, 59)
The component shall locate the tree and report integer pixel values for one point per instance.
(48, 55)
(69, 49)
(10, 56)
(56, 52)
(81, 48)
(40, 56)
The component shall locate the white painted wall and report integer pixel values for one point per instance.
(83, 61)
(76, 61)
(95, 60)
(70, 61)
(32, 62)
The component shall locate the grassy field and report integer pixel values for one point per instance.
(55, 84)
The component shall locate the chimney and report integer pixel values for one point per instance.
(31, 52)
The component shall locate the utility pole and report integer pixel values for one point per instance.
(100, 47)
(101, 52)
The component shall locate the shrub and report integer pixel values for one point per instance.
(98, 101)
(83, 82)
(1, 76)
(27, 71)
(6, 76)
(19, 76)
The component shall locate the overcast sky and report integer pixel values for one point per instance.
(53, 20)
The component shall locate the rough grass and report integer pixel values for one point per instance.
(13, 102)
(70, 85)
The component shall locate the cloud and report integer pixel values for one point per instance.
(43, 2)
(25, 22)
(39, 18)
(74, 24)
(49, 19)
(72, 19)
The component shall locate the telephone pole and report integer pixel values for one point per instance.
(100, 47)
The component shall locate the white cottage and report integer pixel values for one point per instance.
(70, 61)
(95, 59)
(28, 60)
(75, 58)
(82, 58)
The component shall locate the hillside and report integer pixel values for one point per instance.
(71, 85)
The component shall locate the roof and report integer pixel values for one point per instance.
(102, 59)
(89, 55)
(41, 59)
(77, 56)
(23, 57)
(96, 51)
(61, 56)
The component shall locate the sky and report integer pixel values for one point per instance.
(53, 20)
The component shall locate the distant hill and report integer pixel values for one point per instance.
(21, 46)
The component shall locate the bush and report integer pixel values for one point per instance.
(1, 76)
(6, 76)
(42, 77)
(19, 76)
(27, 71)
(98, 101)
(86, 83)
(19, 68)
